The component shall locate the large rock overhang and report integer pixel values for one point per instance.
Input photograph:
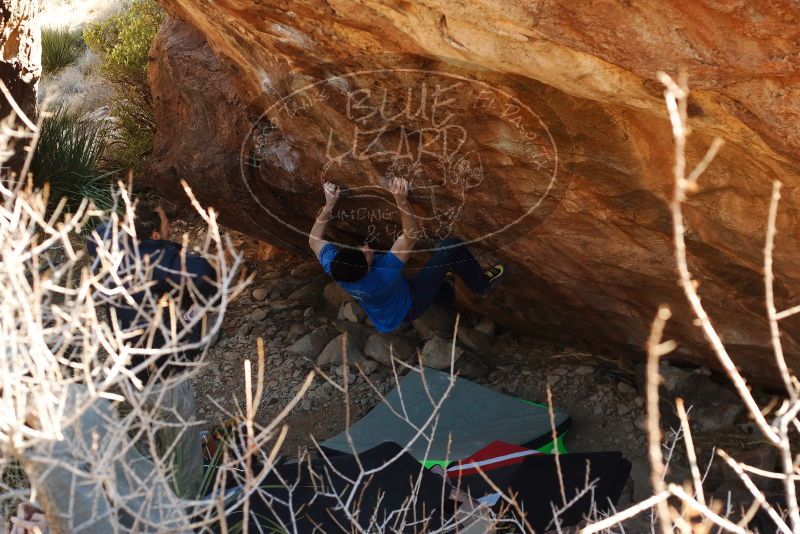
(562, 159)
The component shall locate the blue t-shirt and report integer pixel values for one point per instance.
(382, 292)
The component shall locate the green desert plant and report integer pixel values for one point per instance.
(68, 157)
(60, 48)
(12, 477)
(123, 42)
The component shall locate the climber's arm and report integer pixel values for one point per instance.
(404, 245)
(316, 237)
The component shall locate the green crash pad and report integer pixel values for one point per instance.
(471, 416)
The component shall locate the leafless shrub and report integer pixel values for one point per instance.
(66, 369)
(686, 509)
(63, 365)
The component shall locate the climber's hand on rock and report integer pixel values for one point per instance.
(398, 187)
(331, 193)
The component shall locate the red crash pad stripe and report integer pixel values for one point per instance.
(495, 455)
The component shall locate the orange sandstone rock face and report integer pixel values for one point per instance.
(533, 130)
(20, 54)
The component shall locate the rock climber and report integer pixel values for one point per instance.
(375, 280)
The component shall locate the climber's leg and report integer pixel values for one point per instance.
(425, 288)
(429, 285)
(466, 266)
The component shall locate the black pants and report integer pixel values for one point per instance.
(429, 285)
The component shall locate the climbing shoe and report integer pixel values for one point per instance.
(494, 274)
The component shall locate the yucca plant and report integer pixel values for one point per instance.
(68, 157)
(60, 48)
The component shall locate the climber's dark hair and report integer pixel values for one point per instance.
(146, 219)
(349, 265)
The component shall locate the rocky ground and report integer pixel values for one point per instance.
(301, 315)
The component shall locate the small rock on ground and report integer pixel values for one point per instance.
(311, 344)
(307, 269)
(474, 340)
(485, 326)
(470, 366)
(437, 353)
(258, 315)
(437, 321)
(381, 347)
(351, 311)
(332, 353)
(335, 295)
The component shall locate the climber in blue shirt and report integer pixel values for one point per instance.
(376, 280)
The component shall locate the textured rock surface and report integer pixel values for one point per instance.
(384, 347)
(593, 260)
(335, 295)
(350, 311)
(332, 354)
(439, 354)
(310, 345)
(20, 53)
(437, 321)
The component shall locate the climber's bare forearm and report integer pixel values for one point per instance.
(410, 223)
(316, 238)
(404, 246)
